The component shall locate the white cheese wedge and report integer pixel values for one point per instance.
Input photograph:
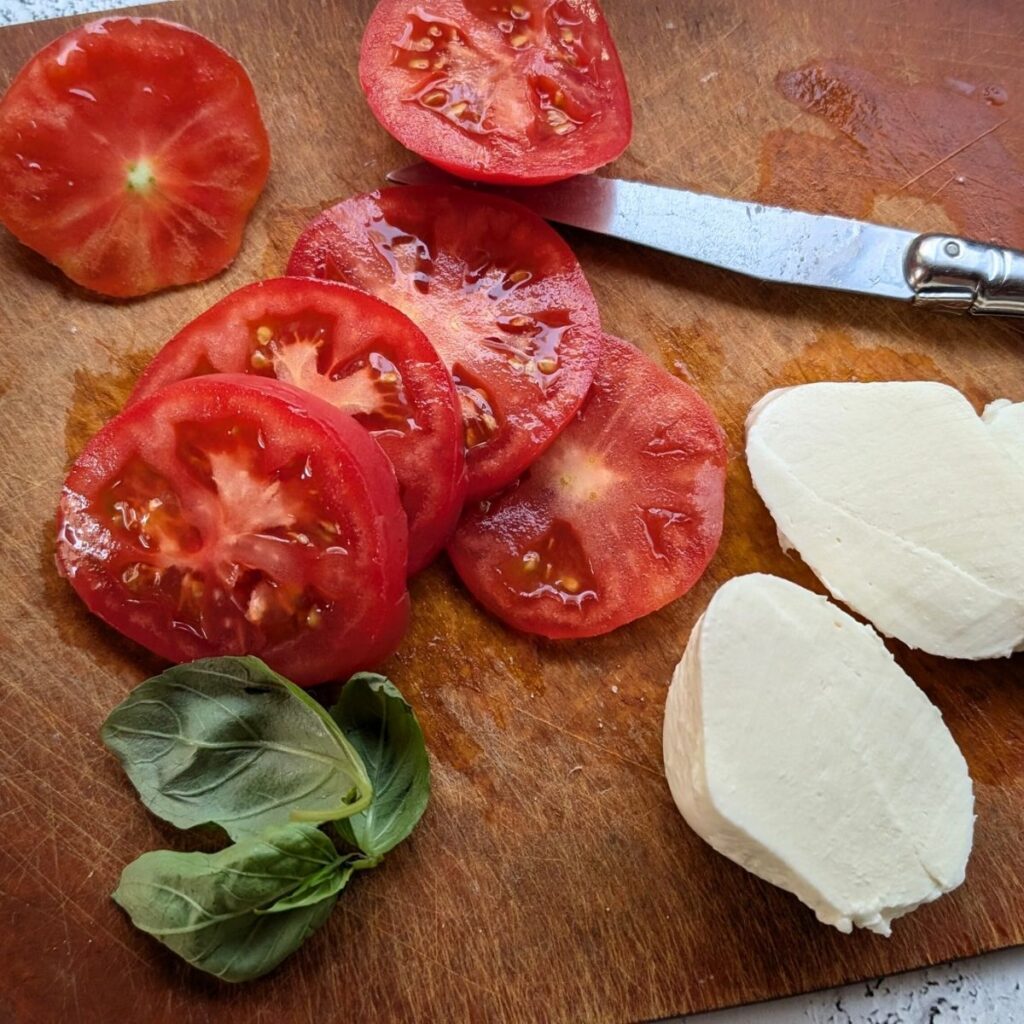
(907, 505)
(797, 747)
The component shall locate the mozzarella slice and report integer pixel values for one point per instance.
(906, 504)
(1005, 421)
(797, 747)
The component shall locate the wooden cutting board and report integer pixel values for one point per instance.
(552, 878)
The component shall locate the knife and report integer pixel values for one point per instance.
(772, 243)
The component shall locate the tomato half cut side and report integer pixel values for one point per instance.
(235, 515)
(495, 289)
(360, 355)
(619, 517)
(508, 91)
(131, 153)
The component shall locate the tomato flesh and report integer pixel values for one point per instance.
(234, 515)
(131, 152)
(496, 290)
(360, 355)
(508, 91)
(620, 516)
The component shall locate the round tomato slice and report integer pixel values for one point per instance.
(235, 515)
(496, 290)
(520, 92)
(131, 152)
(619, 517)
(356, 352)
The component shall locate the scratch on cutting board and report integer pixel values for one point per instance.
(69, 949)
(54, 754)
(519, 709)
(52, 789)
(421, 951)
(65, 900)
(956, 152)
(659, 83)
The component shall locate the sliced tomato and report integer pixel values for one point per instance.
(619, 517)
(131, 152)
(235, 515)
(511, 91)
(356, 352)
(496, 290)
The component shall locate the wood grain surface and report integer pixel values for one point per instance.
(552, 878)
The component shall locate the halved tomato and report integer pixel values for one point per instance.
(619, 517)
(235, 515)
(356, 352)
(131, 152)
(496, 290)
(510, 91)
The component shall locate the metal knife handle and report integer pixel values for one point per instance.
(961, 275)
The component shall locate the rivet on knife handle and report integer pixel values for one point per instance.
(962, 275)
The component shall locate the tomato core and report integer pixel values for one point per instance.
(140, 177)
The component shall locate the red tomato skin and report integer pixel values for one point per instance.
(334, 246)
(335, 652)
(517, 161)
(73, 120)
(431, 467)
(629, 584)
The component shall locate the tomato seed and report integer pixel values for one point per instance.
(434, 99)
(419, 64)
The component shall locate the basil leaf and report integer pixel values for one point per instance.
(378, 721)
(206, 906)
(227, 740)
(320, 886)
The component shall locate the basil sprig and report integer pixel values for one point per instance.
(226, 740)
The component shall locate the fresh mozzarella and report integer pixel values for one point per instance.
(797, 747)
(1005, 421)
(905, 503)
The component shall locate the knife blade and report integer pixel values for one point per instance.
(775, 244)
